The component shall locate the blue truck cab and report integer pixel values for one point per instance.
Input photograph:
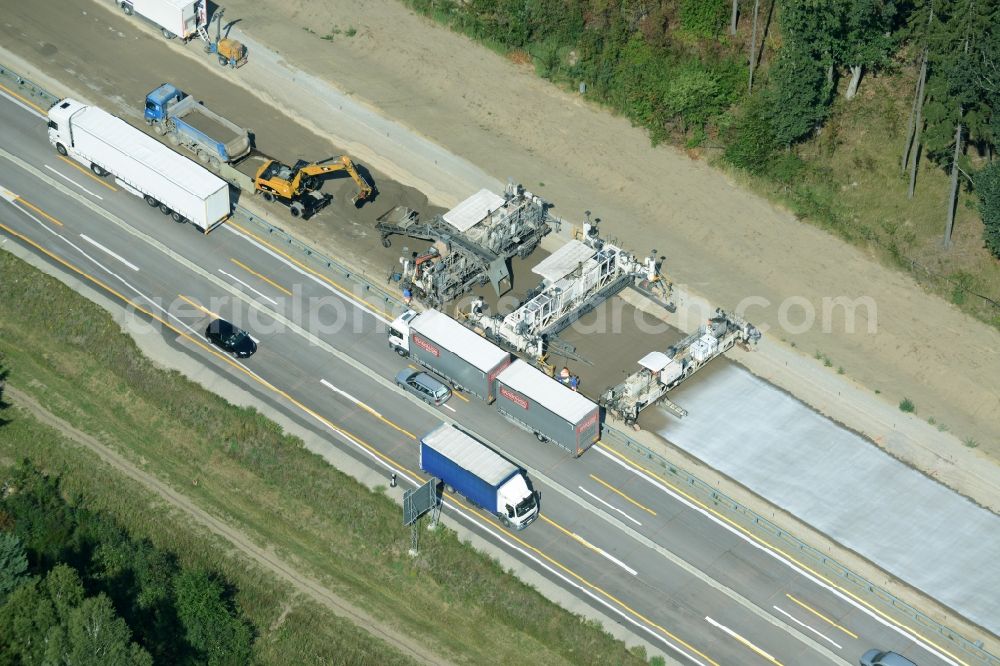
(186, 122)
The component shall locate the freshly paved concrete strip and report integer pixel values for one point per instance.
(913, 527)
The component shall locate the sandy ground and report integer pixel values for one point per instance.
(724, 242)
(241, 542)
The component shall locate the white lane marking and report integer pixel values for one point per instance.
(806, 626)
(610, 506)
(449, 407)
(236, 279)
(73, 182)
(24, 106)
(605, 554)
(7, 194)
(741, 639)
(348, 396)
(356, 303)
(40, 223)
(109, 252)
(784, 560)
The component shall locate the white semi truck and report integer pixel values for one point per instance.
(105, 144)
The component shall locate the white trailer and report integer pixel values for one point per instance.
(140, 164)
(174, 18)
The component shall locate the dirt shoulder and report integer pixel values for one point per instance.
(240, 541)
(721, 241)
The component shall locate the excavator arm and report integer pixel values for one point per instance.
(306, 177)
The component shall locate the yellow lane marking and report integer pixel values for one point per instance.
(822, 617)
(615, 490)
(787, 556)
(304, 267)
(26, 101)
(38, 210)
(571, 535)
(203, 309)
(347, 435)
(368, 409)
(732, 634)
(256, 274)
(459, 396)
(88, 173)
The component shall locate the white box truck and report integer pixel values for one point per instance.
(550, 410)
(140, 164)
(479, 474)
(173, 18)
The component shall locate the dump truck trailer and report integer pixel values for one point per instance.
(140, 164)
(188, 123)
(446, 348)
(550, 410)
(479, 474)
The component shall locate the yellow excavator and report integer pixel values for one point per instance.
(296, 185)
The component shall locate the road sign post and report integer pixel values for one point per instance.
(417, 502)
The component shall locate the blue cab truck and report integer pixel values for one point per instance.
(184, 121)
(479, 474)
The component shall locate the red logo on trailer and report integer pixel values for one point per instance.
(513, 397)
(586, 424)
(426, 346)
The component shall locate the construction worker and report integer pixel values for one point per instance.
(564, 375)
(478, 306)
(574, 382)
(407, 295)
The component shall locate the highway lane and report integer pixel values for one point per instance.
(668, 596)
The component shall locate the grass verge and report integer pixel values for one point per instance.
(235, 463)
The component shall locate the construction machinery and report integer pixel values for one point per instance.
(296, 186)
(575, 279)
(472, 244)
(659, 372)
(230, 52)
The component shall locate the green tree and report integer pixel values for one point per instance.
(13, 564)
(210, 624)
(4, 373)
(96, 636)
(25, 618)
(867, 40)
(988, 190)
(750, 142)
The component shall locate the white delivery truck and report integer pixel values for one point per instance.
(174, 18)
(140, 164)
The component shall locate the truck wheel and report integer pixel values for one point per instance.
(202, 156)
(223, 60)
(153, 203)
(401, 352)
(127, 8)
(172, 138)
(296, 209)
(165, 209)
(214, 164)
(98, 171)
(61, 149)
(541, 438)
(166, 33)
(177, 217)
(504, 520)
(386, 242)
(449, 489)
(158, 129)
(267, 196)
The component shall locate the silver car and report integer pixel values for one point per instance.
(423, 386)
(880, 658)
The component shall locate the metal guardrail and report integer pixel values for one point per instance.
(753, 521)
(745, 516)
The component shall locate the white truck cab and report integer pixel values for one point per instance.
(399, 333)
(60, 128)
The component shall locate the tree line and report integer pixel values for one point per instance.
(686, 69)
(76, 588)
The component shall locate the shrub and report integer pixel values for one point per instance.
(906, 405)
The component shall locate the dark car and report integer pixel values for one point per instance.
(423, 386)
(230, 338)
(880, 658)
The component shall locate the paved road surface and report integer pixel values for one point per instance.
(623, 541)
